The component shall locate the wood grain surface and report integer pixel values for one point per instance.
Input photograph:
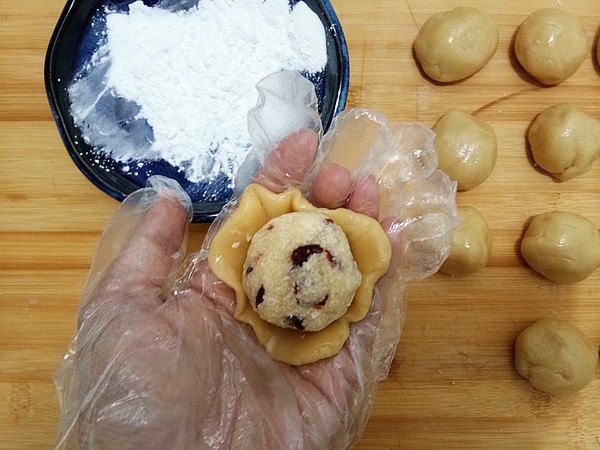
(453, 382)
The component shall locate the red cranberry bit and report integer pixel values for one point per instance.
(260, 295)
(330, 258)
(328, 220)
(296, 288)
(295, 322)
(301, 254)
(322, 302)
(270, 227)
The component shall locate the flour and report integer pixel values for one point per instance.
(178, 85)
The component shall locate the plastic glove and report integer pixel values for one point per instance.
(158, 361)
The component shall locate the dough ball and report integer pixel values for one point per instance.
(455, 44)
(555, 357)
(551, 44)
(466, 148)
(562, 246)
(564, 141)
(471, 244)
(300, 272)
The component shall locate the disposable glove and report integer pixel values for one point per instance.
(158, 360)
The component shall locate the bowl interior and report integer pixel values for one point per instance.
(73, 43)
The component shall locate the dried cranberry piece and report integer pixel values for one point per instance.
(322, 302)
(301, 254)
(270, 227)
(295, 322)
(260, 295)
(328, 220)
(330, 257)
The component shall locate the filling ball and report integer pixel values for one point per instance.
(300, 272)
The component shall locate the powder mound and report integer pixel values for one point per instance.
(300, 272)
(177, 85)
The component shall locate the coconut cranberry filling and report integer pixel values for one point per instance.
(300, 271)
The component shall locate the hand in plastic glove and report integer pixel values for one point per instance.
(158, 360)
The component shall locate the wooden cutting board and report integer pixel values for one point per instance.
(452, 383)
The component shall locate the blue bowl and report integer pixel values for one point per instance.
(73, 43)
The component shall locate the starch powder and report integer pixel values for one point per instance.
(178, 85)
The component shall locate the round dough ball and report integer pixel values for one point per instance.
(562, 246)
(551, 44)
(564, 141)
(300, 272)
(471, 244)
(455, 44)
(466, 148)
(555, 357)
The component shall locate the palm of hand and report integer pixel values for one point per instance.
(162, 367)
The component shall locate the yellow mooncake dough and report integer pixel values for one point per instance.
(455, 44)
(556, 357)
(562, 246)
(471, 244)
(229, 248)
(564, 141)
(551, 44)
(466, 147)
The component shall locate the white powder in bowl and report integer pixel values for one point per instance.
(178, 85)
